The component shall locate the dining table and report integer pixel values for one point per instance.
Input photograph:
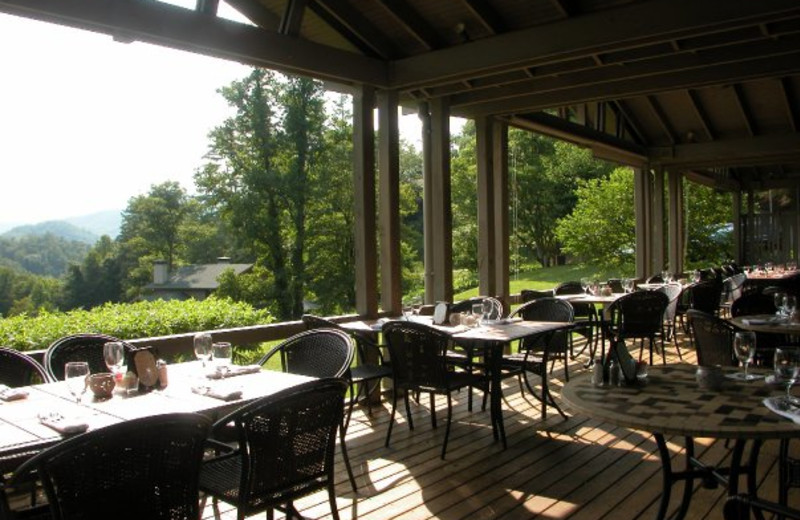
(669, 402)
(491, 337)
(603, 301)
(24, 428)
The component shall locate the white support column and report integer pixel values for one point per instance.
(389, 207)
(364, 199)
(676, 221)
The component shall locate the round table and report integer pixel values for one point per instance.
(670, 403)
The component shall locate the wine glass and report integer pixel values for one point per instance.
(221, 353)
(114, 356)
(627, 284)
(75, 373)
(477, 311)
(777, 298)
(202, 347)
(789, 304)
(585, 284)
(744, 345)
(787, 369)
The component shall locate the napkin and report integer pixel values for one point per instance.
(780, 406)
(12, 394)
(235, 370)
(63, 425)
(218, 393)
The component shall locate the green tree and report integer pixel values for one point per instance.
(96, 280)
(600, 231)
(708, 219)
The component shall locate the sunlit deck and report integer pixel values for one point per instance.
(578, 468)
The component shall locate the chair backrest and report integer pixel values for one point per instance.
(527, 295)
(77, 347)
(732, 287)
(753, 303)
(638, 314)
(315, 353)
(287, 443)
(580, 310)
(142, 468)
(466, 306)
(673, 292)
(705, 296)
(366, 349)
(546, 309)
(418, 353)
(571, 287)
(19, 369)
(713, 338)
(656, 278)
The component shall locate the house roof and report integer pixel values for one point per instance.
(198, 277)
(708, 86)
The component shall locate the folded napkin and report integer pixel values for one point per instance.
(63, 425)
(12, 394)
(781, 406)
(218, 393)
(235, 370)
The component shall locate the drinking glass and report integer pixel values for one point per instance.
(627, 285)
(75, 373)
(787, 369)
(777, 298)
(114, 356)
(585, 283)
(202, 347)
(666, 276)
(477, 312)
(489, 310)
(789, 304)
(744, 345)
(221, 353)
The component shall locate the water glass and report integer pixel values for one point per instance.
(787, 370)
(202, 347)
(477, 311)
(75, 374)
(114, 356)
(777, 299)
(789, 304)
(744, 346)
(221, 353)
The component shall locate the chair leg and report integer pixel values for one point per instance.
(332, 499)
(433, 410)
(347, 461)
(391, 415)
(408, 410)
(447, 428)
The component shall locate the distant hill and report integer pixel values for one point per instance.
(57, 228)
(100, 223)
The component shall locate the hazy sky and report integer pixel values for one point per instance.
(86, 122)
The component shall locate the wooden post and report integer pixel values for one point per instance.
(487, 254)
(501, 208)
(657, 225)
(364, 199)
(427, 205)
(389, 208)
(439, 198)
(641, 203)
(676, 221)
(737, 227)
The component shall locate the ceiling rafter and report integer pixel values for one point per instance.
(171, 26)
(790, 102)
(208, 7)
(630, 121)
(624, 88)
(413, 23)
(661, 118)
(356, 25)
(486, 15)
(371, 49)
(256, 13)
(563, 7)
(750, 151)
(700, 113)
(292, 17)
(578, 36)
(744, 110)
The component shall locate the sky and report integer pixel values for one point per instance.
(86, 123)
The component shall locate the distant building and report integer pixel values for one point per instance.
(196, 282)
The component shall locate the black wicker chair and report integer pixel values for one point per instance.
(76, 347)
(19, 369)
(142, 468)
(713, 339)
(320, 353)
(286, 449)
(536, 351)
(527, 295)
(365, 377)
(639, 315)
(656, 278)
(669, 325)
(419, 364)
(587, 322)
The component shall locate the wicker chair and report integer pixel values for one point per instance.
(366, 376)
(656, 278)
(321, 353)
(534, 352)
(713, 339)
(419, 364)
(142, 468)
(19, 369)
(639, 315)
(286, 448)
(585, 315)
(76, 347)
(527, 295)
(668, 326)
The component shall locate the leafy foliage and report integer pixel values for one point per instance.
(136, 320)
(22, 292)
(45, 255)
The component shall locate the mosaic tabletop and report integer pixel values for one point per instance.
(671, 403)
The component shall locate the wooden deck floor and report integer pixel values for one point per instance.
(578, 468)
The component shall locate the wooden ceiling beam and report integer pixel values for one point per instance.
(255, 11)
(171, 26)
(630, 122)
(580, 36)
(744, 110)
(413, 23)
(790, 102)
(661, 118)
(486, 15)
(292, 17)
(563, 7)
(593, 75)
(208, 7)
(342, 14)
(757, 150)
(700, 113)
(626, 88)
